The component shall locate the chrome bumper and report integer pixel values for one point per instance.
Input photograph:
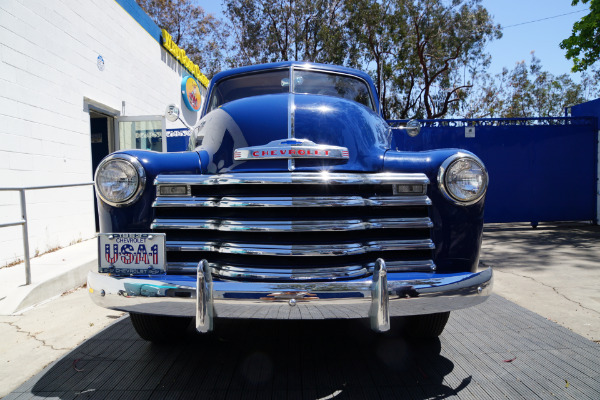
(378, 297)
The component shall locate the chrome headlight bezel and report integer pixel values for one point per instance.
(141, 179)
(443, 174)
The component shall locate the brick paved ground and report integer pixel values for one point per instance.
(333, 359)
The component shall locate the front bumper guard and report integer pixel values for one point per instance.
(378, 298)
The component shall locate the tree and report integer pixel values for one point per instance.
(442, 50)
(528, 91)
(283, 30)
(201, 35)
(583, 46)
(421, 53)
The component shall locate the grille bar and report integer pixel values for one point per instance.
(283, 273)
(298, 202)
(311, 250)
(290, 226)
(296, 178)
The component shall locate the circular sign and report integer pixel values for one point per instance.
(100, 63)
(190, 91)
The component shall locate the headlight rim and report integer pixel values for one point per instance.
(442, 178)
(135, 163)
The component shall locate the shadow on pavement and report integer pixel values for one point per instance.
(510, 245)
(248, 359)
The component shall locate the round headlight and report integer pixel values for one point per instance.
(463, 179)
(120, 179)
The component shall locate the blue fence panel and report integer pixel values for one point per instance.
(541, 169)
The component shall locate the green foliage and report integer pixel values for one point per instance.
(283, 30)
(201, 35)
(426, 53)
(583, 46)
(419, 51)
(528, 91)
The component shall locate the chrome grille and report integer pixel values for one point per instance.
(295, 226)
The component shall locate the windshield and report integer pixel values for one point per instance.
(346, 87)
(305, 82)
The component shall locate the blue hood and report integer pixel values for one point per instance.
(325, 120)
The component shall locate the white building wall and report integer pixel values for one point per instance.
(48, 68)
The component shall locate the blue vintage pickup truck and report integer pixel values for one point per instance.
(290, 204)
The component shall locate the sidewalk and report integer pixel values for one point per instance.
(553, 270)
(51, 275)
(36, 331)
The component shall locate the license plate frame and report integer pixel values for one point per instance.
(134, 254)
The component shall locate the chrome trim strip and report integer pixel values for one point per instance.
(174, 245)
(306, 250)
(314, 250)
(173, 201)
(383, 223)
(300, 201)
(410, 294)
(293, 274)
(406, 200)
(387, 245)
(290, 226)
(409, 266)
(181, 268)
(282, 273)
(291, 117)
(318, 201)
(302, 178)
(200, 224)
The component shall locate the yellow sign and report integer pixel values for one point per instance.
(179, 54)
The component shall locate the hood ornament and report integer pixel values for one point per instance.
(290, 149)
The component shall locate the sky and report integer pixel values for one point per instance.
(519, 41)
(543, 37)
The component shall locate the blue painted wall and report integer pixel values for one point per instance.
(587, 109)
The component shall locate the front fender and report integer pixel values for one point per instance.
(458, 230)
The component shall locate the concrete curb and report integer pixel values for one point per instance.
(52, 275)
(51, 288)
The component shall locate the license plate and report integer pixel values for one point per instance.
(131, 253)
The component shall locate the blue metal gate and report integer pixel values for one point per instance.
(541, 169)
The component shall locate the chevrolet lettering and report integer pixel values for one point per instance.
(290, 203)
(291, 148)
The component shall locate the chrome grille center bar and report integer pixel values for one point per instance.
(299, 201)
(278, 178)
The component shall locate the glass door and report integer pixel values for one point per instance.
(145, 132)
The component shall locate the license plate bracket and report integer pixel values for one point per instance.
(131, 253)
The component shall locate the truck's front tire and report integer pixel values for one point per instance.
(159, 328)
(426, 326)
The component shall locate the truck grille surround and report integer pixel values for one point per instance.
(295, 226)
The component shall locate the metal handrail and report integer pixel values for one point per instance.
(23, 220)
